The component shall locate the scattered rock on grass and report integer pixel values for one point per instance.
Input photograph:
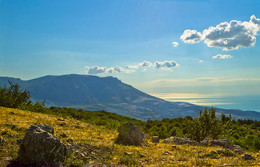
(155, 139)
(41, 146)
(129, 134)
(180, 140)
(248, 157)
(221, 142)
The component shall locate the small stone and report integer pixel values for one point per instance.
(141, 155)
(166, 153)
(228, 165)
(155, 139)
(174, 146)
(228, 152)
(64, 135)
(70, 140)
(248, 157)
(129, 153)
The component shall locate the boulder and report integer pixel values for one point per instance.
(130, 134)
(180, 140)
(221, 142)
(248, 157)
(40, 146)
(155, 139)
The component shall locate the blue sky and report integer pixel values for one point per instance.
(132, 40)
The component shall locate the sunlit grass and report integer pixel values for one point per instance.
(14, 122)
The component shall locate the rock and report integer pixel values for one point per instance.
(129, 134)
(146, 136)
(174, 146)
(166, 153)
(228, 153)
(221, 142)
(180, 140)
(141, 155)
(129, 153)
(70, 140)
(248, 157)
(40, 146)
(155, 139)
(228, 165)
(220, 151)
(63, 135)
(238, 149)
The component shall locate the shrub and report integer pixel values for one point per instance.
(13, 97)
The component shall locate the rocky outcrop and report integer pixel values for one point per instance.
(221, 142)
(180, 140)
(155, 139)
(129, 134)
(40, 146)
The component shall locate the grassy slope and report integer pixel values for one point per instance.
(92, 135)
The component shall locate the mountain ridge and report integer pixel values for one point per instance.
(109, 93)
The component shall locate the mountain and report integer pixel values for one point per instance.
(110, 94)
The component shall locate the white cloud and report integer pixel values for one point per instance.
(142, 65)
(191, 36)
(226, 36)
(201, 61)
(220, 56)
(95, 69)
(175, 44)
(118, 69)
(166, 65)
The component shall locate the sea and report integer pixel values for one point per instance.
(247, 103)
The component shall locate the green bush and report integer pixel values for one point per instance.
(13, 97)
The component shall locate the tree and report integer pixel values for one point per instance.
(207, 125)
(13, 97)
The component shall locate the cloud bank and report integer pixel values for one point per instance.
(226, 36)
(220, 56)
(165, 65)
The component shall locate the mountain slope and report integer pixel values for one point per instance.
(110, 94)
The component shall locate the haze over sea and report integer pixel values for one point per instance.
(249, 102)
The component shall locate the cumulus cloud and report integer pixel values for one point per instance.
(118, 69)
(226, 36)
(95, 69)
(191, 36)
(165, 65)
(142, 65)
(175, 44)
(220, 56)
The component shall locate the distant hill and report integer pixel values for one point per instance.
(110, 94)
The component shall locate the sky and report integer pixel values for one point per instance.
(168, 48)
